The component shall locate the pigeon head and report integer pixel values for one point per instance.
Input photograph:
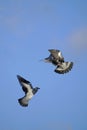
(35, 90)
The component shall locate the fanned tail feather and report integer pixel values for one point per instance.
(22, 102)
(64, 68)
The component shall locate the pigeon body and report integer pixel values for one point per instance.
(28, 89)
(57, 59)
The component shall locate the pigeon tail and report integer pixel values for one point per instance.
(65, 67)
(23, 102)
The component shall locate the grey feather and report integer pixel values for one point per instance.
(64, 67)
(28, 89)
(57, 59)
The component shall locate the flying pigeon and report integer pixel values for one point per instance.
(28, 89)
(57, 59)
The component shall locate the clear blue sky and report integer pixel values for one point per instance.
(28, 28)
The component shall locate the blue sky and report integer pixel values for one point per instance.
(27, 30)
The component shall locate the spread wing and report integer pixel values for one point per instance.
(26, 85)
(49, 59)
(56, 54)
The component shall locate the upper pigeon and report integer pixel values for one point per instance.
(28, 89)
(57, 59)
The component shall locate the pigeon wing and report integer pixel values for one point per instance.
(56, 54)
(49, 59)
(26, 85)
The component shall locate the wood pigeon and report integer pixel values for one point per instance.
(28, 89)
(57, 59)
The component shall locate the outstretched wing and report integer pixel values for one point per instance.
(26, 85)
(49, 59)
(64, 67)
(56, 54)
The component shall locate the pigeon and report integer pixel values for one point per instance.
(57, 59)
(28, 89)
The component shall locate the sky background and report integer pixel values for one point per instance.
(28, 28)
